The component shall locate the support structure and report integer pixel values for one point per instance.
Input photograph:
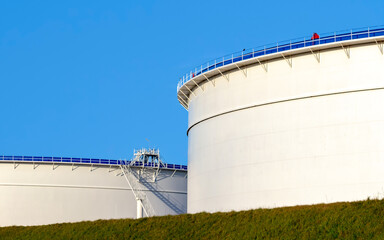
(347, 50)
(139, 209)
(225, 76)
(93, 168)
(185, 96)
(380, 46)
(15, 165)
(202, 89)
(244, 71)
(213, 83)
(54, 166)
(185, 106)
(264, 65)
(288, 60)
(190, 91)
(182, 102)
(316, 55)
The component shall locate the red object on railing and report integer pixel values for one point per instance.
(315, 36)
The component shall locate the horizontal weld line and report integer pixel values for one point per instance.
(83, 187)
(282, 101)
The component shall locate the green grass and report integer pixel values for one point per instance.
(355, 220)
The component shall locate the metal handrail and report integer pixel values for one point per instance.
(91, 161)
(281, 47)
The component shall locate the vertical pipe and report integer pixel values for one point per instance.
(139, 207)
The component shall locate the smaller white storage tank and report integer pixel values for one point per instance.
(47, 190)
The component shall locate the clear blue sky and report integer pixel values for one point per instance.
(98, 78)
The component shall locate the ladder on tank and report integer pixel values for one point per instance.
(140, 196)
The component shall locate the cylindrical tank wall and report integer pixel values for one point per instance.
(310, 133)
(35, 194)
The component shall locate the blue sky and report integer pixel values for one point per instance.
(98, 78)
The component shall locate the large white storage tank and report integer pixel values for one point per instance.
(296, 123)
(45, 190)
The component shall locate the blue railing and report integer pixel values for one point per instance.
(89, 161)
(281, 47)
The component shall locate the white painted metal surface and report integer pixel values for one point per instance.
(139, 210)
(42, 193)
(302, 133)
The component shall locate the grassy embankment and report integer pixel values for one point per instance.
(356, 220)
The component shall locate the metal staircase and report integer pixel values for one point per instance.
(133, 180)
(144, 159)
